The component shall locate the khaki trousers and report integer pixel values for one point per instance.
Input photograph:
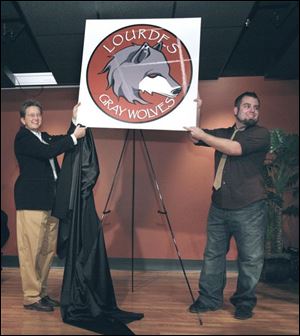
(36, 239)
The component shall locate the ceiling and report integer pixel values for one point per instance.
(238, 38)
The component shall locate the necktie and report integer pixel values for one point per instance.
(219, 173)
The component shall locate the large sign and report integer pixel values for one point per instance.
(140, 74)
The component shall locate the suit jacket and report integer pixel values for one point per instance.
(35, 186)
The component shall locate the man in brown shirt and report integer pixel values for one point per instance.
(238, 207)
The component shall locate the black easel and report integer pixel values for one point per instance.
(162, 204)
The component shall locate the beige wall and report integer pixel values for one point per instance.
(184, 171)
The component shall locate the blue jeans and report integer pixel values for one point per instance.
(247, 226)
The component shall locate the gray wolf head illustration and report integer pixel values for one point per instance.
(140, 68)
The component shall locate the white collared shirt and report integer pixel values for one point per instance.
(39, 135)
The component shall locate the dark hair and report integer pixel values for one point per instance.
(27, 103)
(238, 100)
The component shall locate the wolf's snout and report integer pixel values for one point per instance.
(176, 91)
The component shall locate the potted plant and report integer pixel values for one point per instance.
(282, 184)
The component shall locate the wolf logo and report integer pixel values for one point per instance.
(140, 68)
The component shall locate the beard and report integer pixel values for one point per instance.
(247, 122)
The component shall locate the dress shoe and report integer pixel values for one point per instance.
(199, 307)
(243, 313)
(47, 301)
(39, 306)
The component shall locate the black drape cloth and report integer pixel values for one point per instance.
(87, 297)
(4, 228)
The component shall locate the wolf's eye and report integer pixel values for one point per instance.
(153, 75)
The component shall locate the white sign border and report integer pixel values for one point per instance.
(186, 29)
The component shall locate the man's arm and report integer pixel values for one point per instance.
(27, 143)
(226, 146)
(75, 131)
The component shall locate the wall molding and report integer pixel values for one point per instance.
(140, 264)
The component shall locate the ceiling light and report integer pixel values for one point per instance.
(35, 78)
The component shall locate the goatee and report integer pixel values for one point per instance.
(249, 122)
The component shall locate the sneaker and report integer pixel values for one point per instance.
(199, 307)
(47, 301)
(243, 313)
(39, 306)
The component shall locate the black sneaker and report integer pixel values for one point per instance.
(47, 301)
(39, 306)
(199, 307)
(243, 313)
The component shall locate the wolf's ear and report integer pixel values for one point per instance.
(142, 53)
(158, 46)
